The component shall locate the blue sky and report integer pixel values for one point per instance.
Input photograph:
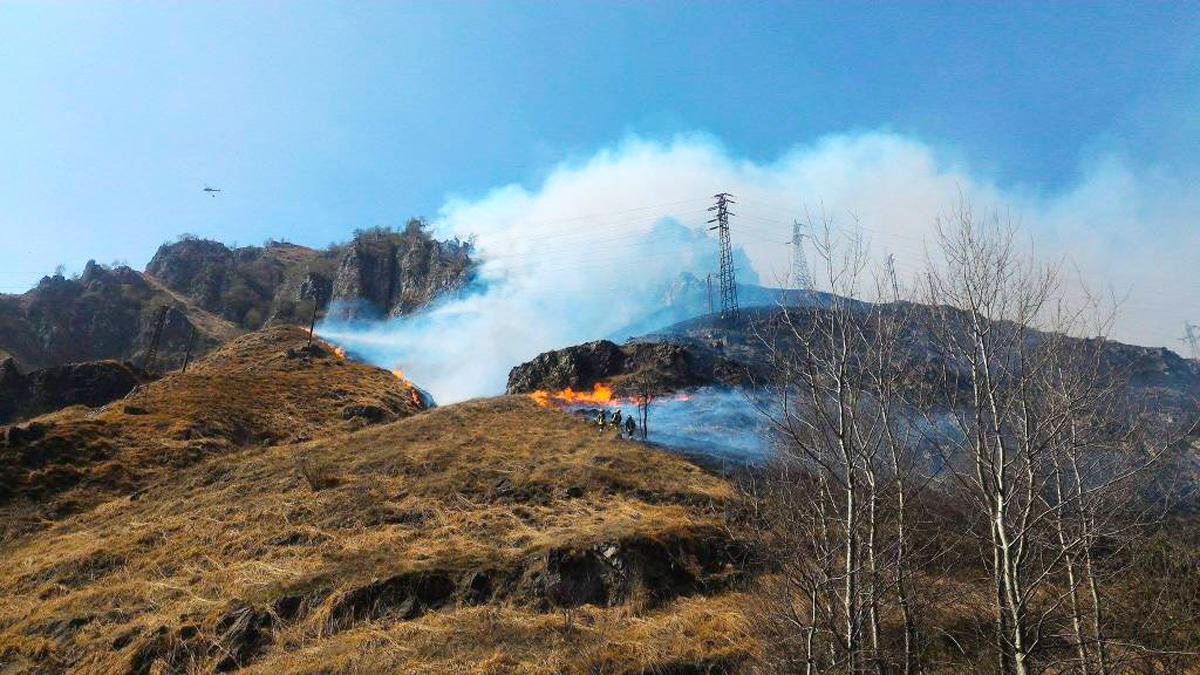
(317, 118)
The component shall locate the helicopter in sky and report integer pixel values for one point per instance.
(212, 191)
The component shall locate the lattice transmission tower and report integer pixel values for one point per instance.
(799, 277)
(160, 320)
(729, 302)
(1191, 336)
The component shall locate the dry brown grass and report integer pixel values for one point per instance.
(439, 548)
(249, 393)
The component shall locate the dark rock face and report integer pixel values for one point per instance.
(195, 267)
(669, 367)
(41, 391)
(577, 367)
(604, 574)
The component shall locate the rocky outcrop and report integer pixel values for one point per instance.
(667, 366)
(387, 273)
(41, 391)
(251, 286)
(380, 273)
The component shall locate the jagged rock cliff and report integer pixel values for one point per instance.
(379, 273)
(385, 273)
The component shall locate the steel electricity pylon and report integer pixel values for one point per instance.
(729, 302)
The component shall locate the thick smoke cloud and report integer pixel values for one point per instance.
(590, 249)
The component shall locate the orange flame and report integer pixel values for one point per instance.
(601, 394)
(413, 395)
(339, 352)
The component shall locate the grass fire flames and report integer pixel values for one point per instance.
(601, 395)
(413, 394)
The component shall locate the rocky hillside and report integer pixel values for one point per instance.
(250, 286)
(708, 351)
(227, 519)
(109, 313)
(105, 313)
(379, 273)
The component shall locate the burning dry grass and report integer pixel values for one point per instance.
(601, 395)
(491, 536)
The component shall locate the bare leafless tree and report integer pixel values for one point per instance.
(994, 393)
(839, 485)
(1027, 399)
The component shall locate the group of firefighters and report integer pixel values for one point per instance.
(605, 421)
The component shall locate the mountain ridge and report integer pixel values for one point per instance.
(110, 312)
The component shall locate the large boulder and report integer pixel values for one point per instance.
(664, 365)
(41, 391)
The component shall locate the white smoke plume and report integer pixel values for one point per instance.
(588, 251)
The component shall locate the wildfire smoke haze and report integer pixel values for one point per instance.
(589, 251)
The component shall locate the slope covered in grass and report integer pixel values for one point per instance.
(261, 389)
(489, 536)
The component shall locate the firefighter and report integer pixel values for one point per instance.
(630, 426)
(602, 420)
(616, 420)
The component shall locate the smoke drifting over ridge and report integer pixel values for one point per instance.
(589, 250)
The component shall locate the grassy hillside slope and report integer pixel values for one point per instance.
(280, 508)
(490, 536)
